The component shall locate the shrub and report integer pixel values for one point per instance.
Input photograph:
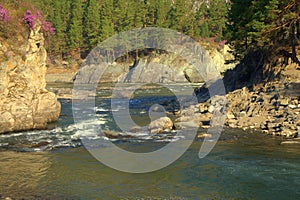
(30, 19)
(4, 15)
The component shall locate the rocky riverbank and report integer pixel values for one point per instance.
(271, 107)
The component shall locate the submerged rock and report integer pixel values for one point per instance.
(111, 134)
(290, 142)
(25, 104)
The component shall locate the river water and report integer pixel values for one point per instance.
(53, 164)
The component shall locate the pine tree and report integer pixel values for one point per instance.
(201, 21)
(57, 12)
(151, 10)
(238, 31)
(66, 15)
(265, 26)
(107, 24)
(140, 14)
(119, 15)
(177, 15)
(91, 24)
(75, 31)
(217, 15)
(162, 8)
(204, 30)
(58, 42)
(128, 21)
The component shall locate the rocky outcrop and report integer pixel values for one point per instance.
(153, 68)
(164, 68)
(171, 68)
(221, 57)
(24, 102)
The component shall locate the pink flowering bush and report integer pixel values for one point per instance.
(4, 15)
(30, 19)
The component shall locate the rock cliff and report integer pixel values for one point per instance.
(171, 68)
(155, 68)
(25, 104)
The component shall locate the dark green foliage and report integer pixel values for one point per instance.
(265, 25)
(238, 31)
(179, 14)
(204, 30)
(58, 41)
(91, 24)
(162, 8)
(82, 24)
(217, 17)
(107, 23)
(75, 31)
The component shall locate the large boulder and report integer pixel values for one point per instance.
(25, 104)
(160, 125)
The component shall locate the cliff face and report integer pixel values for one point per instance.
(171, 68)
(24, 102)
(155, 68)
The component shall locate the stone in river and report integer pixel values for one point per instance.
(160, 125)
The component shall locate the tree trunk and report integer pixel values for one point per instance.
(298, 30)
(293, 43)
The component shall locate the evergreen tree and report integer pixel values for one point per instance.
(238, 32)
(217, 15)
(266, 26)
(162, 8)
(151, 10)
(58, 41)
(201, 21)
(128, 21)
(107, 24)
(204, 30)
(140, 14)
(178, 15)
(91, 24)
(75, 31)
(119, 15)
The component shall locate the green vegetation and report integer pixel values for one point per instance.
(81, 24)
(271, 27)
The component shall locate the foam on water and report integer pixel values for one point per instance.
(69, 136)
(66, 134)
